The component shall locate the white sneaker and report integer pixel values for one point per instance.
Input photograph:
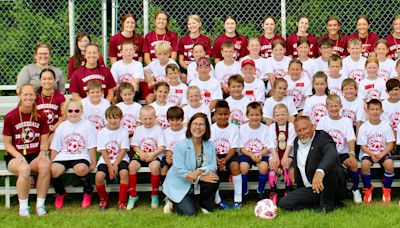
(131, 202)
(357, 196)
(168, 207)
(204, 211)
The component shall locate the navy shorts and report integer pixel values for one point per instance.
(386, 157)
(123, 165)
(245, 158)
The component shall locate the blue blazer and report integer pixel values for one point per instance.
(175, 186)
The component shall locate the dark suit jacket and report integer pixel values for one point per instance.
(323, 155)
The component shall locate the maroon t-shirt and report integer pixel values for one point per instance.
(71, 69)
(240, 42)
(50, 107)
(115, 45)
(186, 46)
(82, 76)
(339, 46)
(394, 47)
(291, 45)
(368, 43)
(152, 39)
(266, 45)
(26, 133)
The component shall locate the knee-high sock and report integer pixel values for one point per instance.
(272, 180)
(101, 190)
(262, 181)
(237, 188)
(356, 179)
(387, 182)
(217, 199)
(245, 180)
(155, 184)
(287, 179)
(366, 179)
(132, 185)
(87, 186)
(123, 193)
(58, 185)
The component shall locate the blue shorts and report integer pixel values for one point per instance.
(245, 158)
(386, 157)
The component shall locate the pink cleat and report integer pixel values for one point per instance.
(87, 200)
(274, 197)
(59, 202)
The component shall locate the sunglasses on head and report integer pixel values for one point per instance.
(74, 110)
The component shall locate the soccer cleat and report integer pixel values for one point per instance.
(168, 207)
(368, 194)
(236, 205)
(357, 196)
(223, 206)
(386, 195)
(41, 211)
(103, 204)
(87, 200)
(121, 206)
(204, 211)
(24, 212)
(131, 202)
(59, 202)
(274, 197)
(154, 202)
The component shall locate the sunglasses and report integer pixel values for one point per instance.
(74, 110)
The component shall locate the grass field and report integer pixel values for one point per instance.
(374, 215)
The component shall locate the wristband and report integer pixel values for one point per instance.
(352, 153)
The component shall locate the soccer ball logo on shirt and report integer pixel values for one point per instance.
(351, 114)
(318, 111)
(148, 144)
(175, 99)
(206, 97)
(394, 120)
(254, 146)
(97, 121)
(28, 135)
(373, 94)
(126, 77)
(222, 145)
(74, 143)
(50, 116)
(297, 96)
(112, 149)
(129, 122)
(338, 137)
(357, 75)
(162, 119)
(374, 143)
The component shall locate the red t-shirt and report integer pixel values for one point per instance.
(71, 69)
(152, 39)
(50, 107)
(368, 43)
(82, 76)
(394, 47)
(291, 45)
(186, 46)
(339, 46)
(266, 45)
(240, 42)
(115, 45)
(30, 138)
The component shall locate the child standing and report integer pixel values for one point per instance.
(198, 52)
(130, 109)
(376, 139)
(341, 130)
(302, 23)
(253, 145)
(352, 106)
(391, 106)
(254, 48)
(113, 144)
(314, 106)
(195, 105)
(161, 104)
(148, 143)
(325, 47)
(237, 101)
(372, 87)
(177, 90)
(278, 64)
(387, 67)
(335, 78)
(227, 67)
(354, 65)
(309, 65)
(269, 36)
(254, 88)
(226, 139)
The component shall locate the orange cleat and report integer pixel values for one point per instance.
(386, 194)
(368, 194)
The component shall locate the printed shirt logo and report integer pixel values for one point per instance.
(175, 98)
(317, 112)
(254, 146)
(279, 73)
(373, 94)
(148, 144)
(126, 77)
(113, 148)
(384, 74)
(374, 143)
(162, 119)
(97, 120)
(206, 94)
(75, 143)
(351, 114)
(236, 117)
(394, 120)
(335, 90)
(298, 97)
(222, 145)
(357, 75)
(338, 137)
(129, 122)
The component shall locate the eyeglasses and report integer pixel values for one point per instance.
(74, 110)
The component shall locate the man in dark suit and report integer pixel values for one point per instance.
(319, 177)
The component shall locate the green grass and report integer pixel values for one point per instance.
(374, 215)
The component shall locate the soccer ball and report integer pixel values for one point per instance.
(265, 209)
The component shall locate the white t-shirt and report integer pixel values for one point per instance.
(310, 67)
(340, 130)
(255, 90)
(161, 113)
(273, 138)
(113, 141)
(322, 65)
(387, 69)
(126, 72)
(354, 70)
(157, 70)
(335, 85)
(278, 68)
(172, 137)
(268, 109)
(177, 94)
(315, 108)
(238, 110)
(253, 140)
(189, 111)
(193, 74)
(148, 139)
(223, 72)
(391, 114)
(261, 65)
(130, 115)
(374, 136)
(299, 90)
(225, 138)
(372, 89)
(210, 90)
(95, 113)
(72, 141)
(353, 110)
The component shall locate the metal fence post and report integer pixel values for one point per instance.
(283, 17)
(71, 10)
(114, 19)
(105, 31)
(145, 17)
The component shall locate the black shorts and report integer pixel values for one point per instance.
(165, 163)
(343, 157)
(234, 158)
(146, 164)
(71, 163)
(123, 165)
(29, 158)
(386, 157)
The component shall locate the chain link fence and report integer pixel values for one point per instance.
(24, 22)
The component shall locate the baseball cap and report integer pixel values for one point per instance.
(248, 61)
(203, 62)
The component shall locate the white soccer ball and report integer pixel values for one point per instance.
(265, 209)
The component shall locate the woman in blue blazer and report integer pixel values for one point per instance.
(193, 171)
